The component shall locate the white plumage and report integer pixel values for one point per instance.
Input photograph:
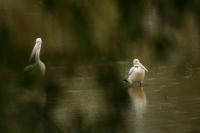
(137, 72)
(36, 53)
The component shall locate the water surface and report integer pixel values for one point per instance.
(168, 102)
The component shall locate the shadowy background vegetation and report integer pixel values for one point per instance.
(84, 38)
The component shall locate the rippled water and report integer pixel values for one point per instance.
(173, 101)
(167, 103)
(76, 97)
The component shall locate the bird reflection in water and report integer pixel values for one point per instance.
(139, 103)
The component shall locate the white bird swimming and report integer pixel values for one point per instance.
(36, 53)
(137, 72)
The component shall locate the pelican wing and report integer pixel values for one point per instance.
(30, 67)
(131, 70)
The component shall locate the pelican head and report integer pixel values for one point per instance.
(136, 62)
(36, 50)
(38, 41)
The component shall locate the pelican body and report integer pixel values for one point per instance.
(36, 53)
(137, 72)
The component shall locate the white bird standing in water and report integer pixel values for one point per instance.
(36, 53)
(137, 72)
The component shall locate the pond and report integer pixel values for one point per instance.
(88, 48)
(166, 103)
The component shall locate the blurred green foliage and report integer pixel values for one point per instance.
(79, 32)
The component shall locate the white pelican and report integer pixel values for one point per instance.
(36, 53)
(137, 72)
